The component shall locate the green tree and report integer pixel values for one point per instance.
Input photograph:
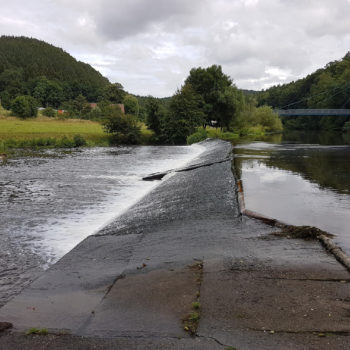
(79, 107)
(153, 115)
(229, 104)
(24, 107)
(114, 93)
(209, 83)
(11, 85)
(49, 112)
(124, 129)
(268, 119)
(131, 105)
(185, 115)
(48, 93)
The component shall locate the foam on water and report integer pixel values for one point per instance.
(52, 204)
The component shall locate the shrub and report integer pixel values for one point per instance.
(123, 128)
(49, 112)
(198, 136)
(65, 142)
(79, 141)
(24, 107)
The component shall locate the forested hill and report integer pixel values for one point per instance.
(328, 87)
(24, 60)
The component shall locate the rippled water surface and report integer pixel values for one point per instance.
(51, 200)
(300, 180)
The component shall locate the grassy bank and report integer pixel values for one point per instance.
(49, 132)
(52, 132)
(214, 133)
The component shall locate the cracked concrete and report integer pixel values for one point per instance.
(129, 286)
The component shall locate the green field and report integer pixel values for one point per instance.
(16, 132)
(50, 132)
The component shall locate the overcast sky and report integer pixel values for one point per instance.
(149, 46)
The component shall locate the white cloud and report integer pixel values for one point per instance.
(150, 45)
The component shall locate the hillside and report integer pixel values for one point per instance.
(24, 61)
(328, 87)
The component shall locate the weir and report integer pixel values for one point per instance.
(185, 252)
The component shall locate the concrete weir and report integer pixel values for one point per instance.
(136, 283)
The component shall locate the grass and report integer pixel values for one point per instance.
(39, 331)
(219, 134)
(191, 320)
(213, 133)
(52, 132)
(14, 130)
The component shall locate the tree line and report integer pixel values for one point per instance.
(35, 68)
(208, 98)
(36, 74)
(328, 87)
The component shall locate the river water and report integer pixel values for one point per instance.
(300, 179)
(51, 200)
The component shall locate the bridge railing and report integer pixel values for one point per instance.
(312, 112)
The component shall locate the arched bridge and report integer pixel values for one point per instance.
(313, 112)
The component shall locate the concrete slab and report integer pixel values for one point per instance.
(150, 304)
(246, 302)
(64, 297)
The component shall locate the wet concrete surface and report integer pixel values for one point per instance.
(130, 286)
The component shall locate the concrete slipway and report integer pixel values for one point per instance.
(131, 285)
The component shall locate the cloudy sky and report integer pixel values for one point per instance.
(149, 46)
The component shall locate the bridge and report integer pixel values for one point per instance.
(313, 112)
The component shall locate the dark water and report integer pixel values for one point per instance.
(51, 200)
(300, 179)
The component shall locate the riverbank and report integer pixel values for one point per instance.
(44, 132)
(183, 260)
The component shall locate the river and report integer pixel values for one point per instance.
(300, 179)
(51, 200)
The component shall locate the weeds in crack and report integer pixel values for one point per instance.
(191, 320)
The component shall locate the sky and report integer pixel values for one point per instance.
(149, 46)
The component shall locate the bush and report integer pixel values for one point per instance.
(24, 107)
(198, 136)
(65, 142)
(79, 141)
(49, 112)
(123, 128)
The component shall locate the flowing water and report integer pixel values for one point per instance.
(300, 179)
(51, 200)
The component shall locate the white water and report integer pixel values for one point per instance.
(49, 205)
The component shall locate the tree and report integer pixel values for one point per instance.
(79, 107)
(209, 83)
(11, 85)
(122, 127)
(131, 105)
(268, 119)
(229, 104)
(153, 115)
(114, 93)
(49, 93)
(49, 112)
(24, 106)
(185, 115)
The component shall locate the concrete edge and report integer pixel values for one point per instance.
(326, 242)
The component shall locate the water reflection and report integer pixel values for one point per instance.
(302, 179)
(327, 166)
